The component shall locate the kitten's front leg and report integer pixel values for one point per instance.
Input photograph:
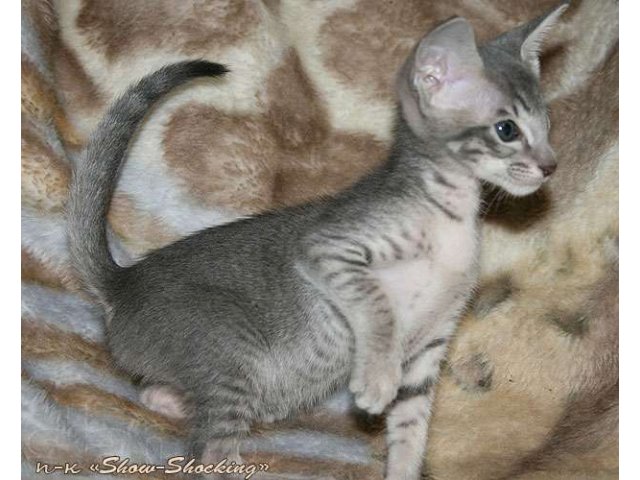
(407, 425)
(377, 371)
(341, 268)
(409, 415)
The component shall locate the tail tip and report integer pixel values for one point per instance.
(205, 68)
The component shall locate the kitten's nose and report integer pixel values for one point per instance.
(546, 159)
(548, 169)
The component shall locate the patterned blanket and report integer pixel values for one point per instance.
(530, 386)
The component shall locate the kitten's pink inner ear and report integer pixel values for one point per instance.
(448, 68)
(431, 69)
(447, 54)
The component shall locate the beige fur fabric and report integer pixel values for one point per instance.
(530, 387)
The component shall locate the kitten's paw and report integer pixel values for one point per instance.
(376, 385)
(164, 400)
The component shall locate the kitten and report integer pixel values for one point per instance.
(259, 318)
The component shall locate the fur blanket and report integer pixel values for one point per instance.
(530, 386)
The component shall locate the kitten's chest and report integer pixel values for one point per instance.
(434, 275)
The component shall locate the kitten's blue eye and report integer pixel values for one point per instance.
(507, 130)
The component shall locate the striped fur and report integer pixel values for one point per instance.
(573, 235)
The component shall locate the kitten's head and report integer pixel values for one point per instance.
(483, 104)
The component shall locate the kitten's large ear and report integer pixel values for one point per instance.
(445, 56)
(526, 40)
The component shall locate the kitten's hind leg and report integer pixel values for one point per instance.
(218, 428)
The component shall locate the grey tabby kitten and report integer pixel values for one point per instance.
(254, 320)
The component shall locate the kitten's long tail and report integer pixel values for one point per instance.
(96, 174)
